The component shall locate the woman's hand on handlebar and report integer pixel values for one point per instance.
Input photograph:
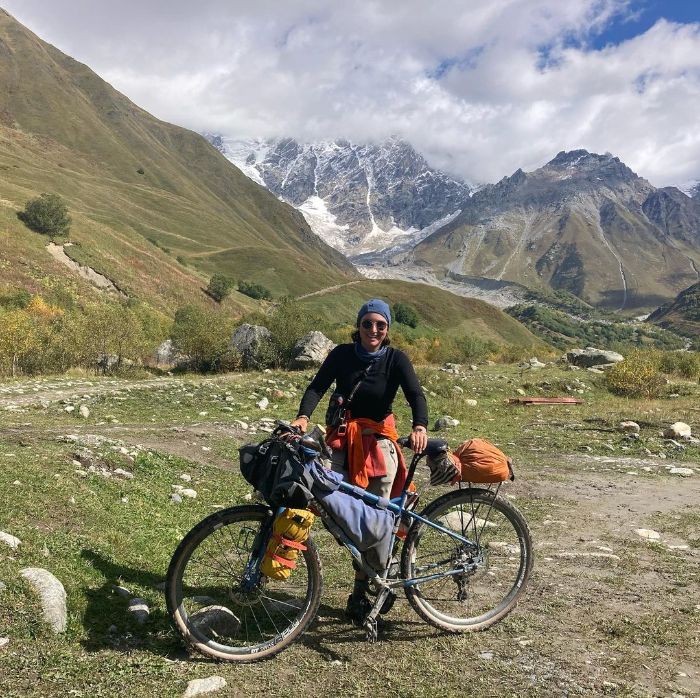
(301, 423)
(418, 441)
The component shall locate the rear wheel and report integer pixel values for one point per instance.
(216, 611)
(487, 575)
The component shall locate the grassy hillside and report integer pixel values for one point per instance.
(565, 331)
(437, 309)
(682, 315)
(130, 181)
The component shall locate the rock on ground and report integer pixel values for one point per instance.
(590, 356)
(12, 541)
(216, 619)
(139, 610)
(683, 472)
(166, 356)
(629, 427)
(199, 687)
(52, 596)
(445, 422)
(311, 350)
(678, 430)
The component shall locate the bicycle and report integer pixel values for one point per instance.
(465, 561)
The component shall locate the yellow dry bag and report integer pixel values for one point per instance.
(290, 530)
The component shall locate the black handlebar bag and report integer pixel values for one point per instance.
(275, 469)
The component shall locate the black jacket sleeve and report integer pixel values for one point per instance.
(319, 385)
(412, 390)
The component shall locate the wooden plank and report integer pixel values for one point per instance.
(545, 401)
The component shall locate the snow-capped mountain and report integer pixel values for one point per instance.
(359, 198)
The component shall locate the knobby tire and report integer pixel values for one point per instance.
(499, 561)
(207, 605)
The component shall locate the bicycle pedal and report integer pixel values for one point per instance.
(371, 630)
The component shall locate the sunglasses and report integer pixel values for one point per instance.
(368, 324)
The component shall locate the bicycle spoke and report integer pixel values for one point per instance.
(227, 615)
(481, 580)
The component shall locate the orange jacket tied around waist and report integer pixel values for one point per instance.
(364, 457)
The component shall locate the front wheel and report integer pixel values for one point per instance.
(468, 586)
(217, 610)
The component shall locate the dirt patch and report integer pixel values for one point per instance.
(87, 273)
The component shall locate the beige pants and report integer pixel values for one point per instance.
(380, 486)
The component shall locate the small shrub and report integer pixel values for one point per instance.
(47, 214)
(220, 286)
(685, 364)
(203, 335)
(512, 354)
(405, 314)
(638, 376)
(16, 299)
(257, 291)
(288, 323)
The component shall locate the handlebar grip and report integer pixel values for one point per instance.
(403, 441)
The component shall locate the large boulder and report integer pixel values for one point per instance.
(590, 356)
(250, 341)
(166, 356)
(311, 350)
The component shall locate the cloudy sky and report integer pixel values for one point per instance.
(481, 87)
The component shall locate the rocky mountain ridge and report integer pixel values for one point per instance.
(682, 314)
(356, 197)
(584, 223)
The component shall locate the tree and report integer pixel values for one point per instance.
(405, 314)
(47, 214)
(254, 290)
(203, 335)
(288, 323)
(17, 338)
(220, 286)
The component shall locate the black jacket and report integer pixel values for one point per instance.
(375, 395)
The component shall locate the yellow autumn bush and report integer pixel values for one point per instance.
(638, 376)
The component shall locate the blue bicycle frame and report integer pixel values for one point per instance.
(396, 505)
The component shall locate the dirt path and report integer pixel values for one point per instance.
(30, 391)
(328, 289)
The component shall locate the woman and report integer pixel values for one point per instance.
(367, 453)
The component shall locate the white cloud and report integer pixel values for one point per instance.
(480, 88)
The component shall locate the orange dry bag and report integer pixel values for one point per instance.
(481, 461)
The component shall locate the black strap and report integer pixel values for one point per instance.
(363, 375)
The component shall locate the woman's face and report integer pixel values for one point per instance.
(373, 330)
